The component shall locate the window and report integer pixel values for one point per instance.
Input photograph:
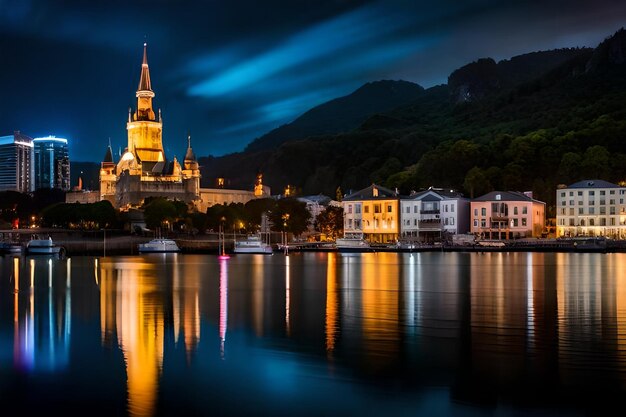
(414, 209)
(389, 208)
(483, 211)
(366, 209)
(571, 193)
(349, 208)
(475, 223)
(414, 222)
(571, 202)
(498, 197)
(445, 208)
(602, 210)
(563, 194)
(408, 209)
(571, 211)
(580, 193)
(451, 208)
(580, 202)
(581, 210)
(483, 223)
(591, 192)
(571, 222)
(603, 221)
(612, 210)
(563, 202)
(523, 221)
(445, 222)
(602, 202)
(452, 221)
(592, 202)
(591, 222)
(475, 212)
(592, 210)
(602, 192)
(515, 222)
(612, 202)
(357, 208)
(524, 210)
(563, 211)
(612, 221)
(349, 223)
(357, 223)
(612, 192)
(376, 208)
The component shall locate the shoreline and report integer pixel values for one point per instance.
(121, 244)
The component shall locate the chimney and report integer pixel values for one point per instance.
(528, 194)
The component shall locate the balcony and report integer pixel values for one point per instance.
(498, 217)
(432, 224)
(430, 211)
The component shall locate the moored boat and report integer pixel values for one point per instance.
(353, 244)
(253, 244)
(159, 245)
(11, 248)
(43, 247)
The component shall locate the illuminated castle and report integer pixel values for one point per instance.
(143, 169)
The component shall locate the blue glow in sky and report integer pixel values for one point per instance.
(228, 72)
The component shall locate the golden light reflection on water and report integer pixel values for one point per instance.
(132, 291)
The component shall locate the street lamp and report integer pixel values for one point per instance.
(285, 218)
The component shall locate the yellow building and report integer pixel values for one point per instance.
(143, 169)
(372, 213)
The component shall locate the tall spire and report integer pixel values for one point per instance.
(144, 81)
(190, 155)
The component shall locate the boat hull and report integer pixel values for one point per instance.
(267, 250)
(158, 246)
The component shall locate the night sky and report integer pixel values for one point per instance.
(229, 71)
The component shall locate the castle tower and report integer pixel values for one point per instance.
(191, 173)
(258, 185)
(108, 177)
(144, 129)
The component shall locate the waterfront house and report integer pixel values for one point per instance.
(507, 215)
(372, 213)
(591, 208)
(430, 214)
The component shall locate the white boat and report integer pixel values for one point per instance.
(253, 244)
(352, 244)
(159, 246)
(11, 248)
(43, 247)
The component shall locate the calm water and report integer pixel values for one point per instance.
(314, 334)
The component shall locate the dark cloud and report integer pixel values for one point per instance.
(227, 72)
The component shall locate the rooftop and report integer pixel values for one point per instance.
(593, 184)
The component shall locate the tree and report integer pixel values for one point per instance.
(290, 215)
(330, 222)
(476, 183)
(158, 211)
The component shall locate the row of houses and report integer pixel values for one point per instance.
(382, 215)
(585, 208)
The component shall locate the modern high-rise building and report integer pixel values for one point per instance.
(51, 163)
(16, 168)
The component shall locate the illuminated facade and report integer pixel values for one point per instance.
(428, 214)
(507, 215)
(591, 208)
(372, 213)
(51, 163)
(144, 170)
(16, 167)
